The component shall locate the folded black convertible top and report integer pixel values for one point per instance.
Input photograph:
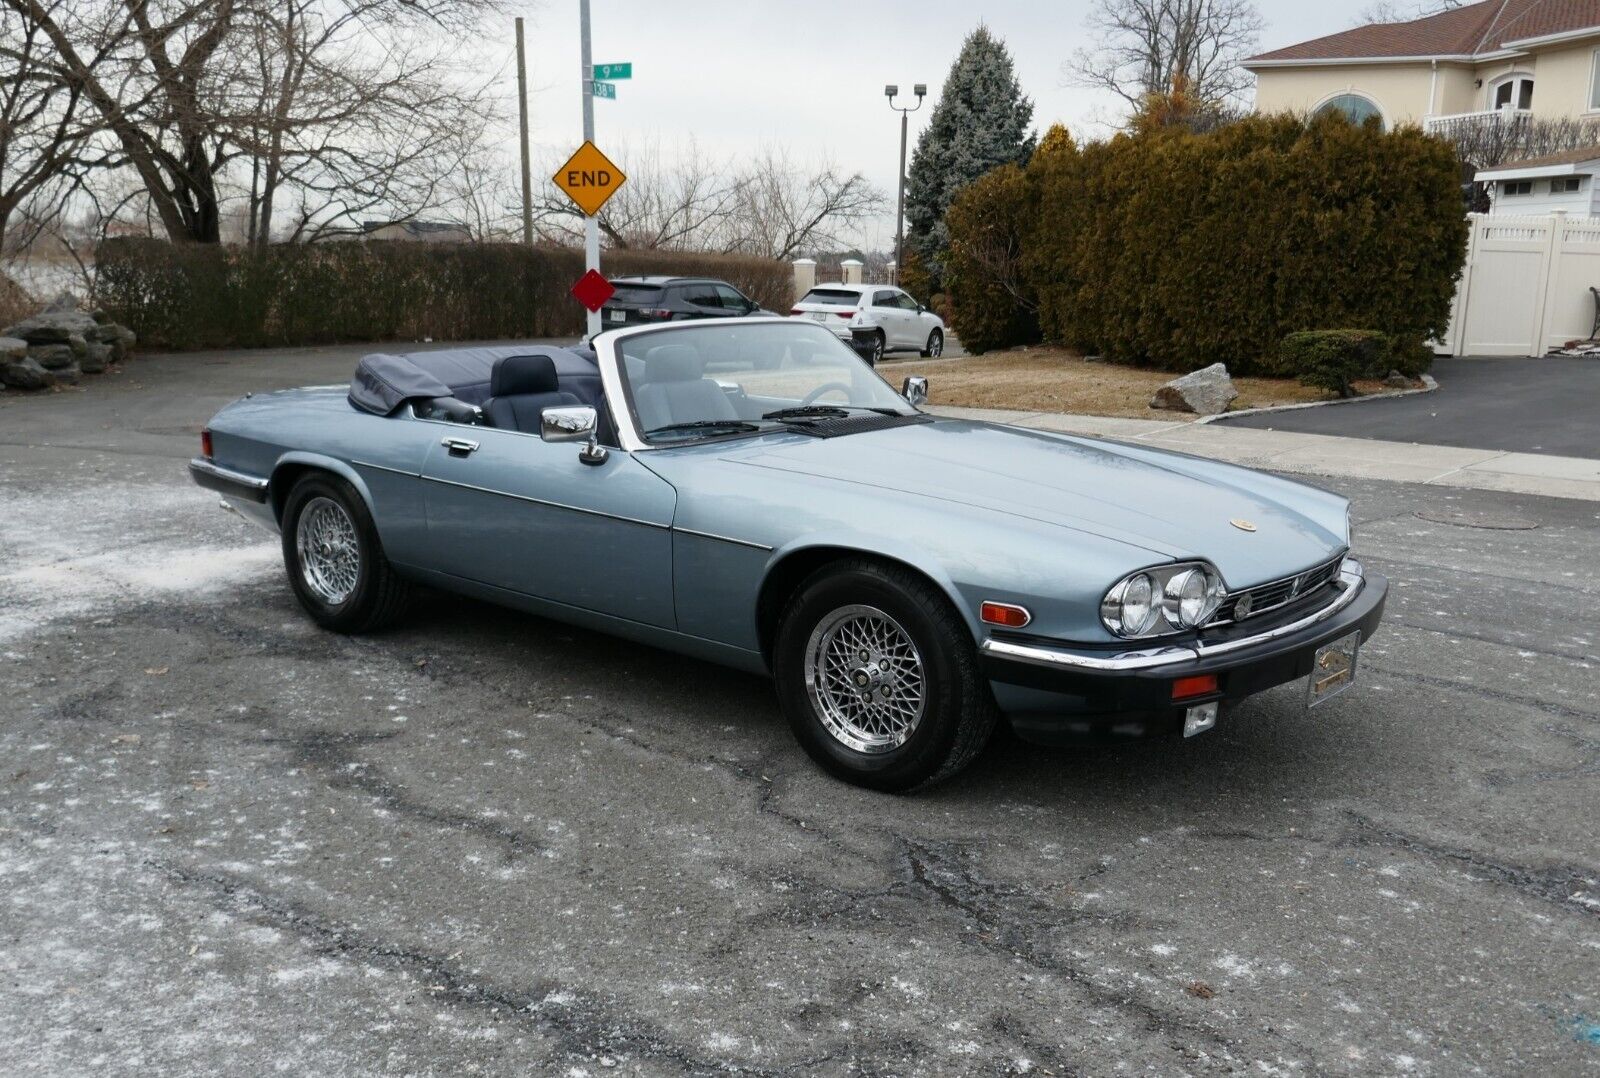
(384, 382)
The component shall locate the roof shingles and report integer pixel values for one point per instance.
(1484, 27)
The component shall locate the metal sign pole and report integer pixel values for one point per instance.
(591, 224)
(522, 108)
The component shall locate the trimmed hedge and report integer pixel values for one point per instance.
(1180, 250)
(1332, 359)
(988, 222)
(206, 296)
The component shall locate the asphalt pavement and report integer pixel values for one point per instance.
(483, 843)
(1549, 405)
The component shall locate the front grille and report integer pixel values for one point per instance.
(1278, 593)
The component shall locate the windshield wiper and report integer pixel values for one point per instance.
(734, 425)
(825, 411)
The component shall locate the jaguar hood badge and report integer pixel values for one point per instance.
(1242, 525)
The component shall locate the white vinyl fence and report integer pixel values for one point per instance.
(1525, 289)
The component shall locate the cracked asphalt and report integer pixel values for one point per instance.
(483, 843)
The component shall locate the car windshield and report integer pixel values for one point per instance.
(710, 381)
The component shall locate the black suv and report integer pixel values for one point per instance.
(641, 300)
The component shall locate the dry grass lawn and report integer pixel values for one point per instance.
(1055, 380)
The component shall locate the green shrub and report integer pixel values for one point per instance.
(206, 296)
(1180, 250)
(1410, 356)
(1332, 359)
(989, 294)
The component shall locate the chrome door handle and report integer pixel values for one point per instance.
(460, 445)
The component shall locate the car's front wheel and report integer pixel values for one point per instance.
(935, 347)
(335, 562)
(878, 677)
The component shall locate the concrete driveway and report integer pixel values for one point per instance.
(483, 843)
(1518, 405)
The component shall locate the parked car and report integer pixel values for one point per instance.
(753, 494)
(645, 300)
(887, 318)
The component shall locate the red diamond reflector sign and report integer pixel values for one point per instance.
(592, 290)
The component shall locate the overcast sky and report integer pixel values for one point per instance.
(736, 74)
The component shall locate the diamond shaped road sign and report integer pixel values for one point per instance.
(589, 178)
(592, 290)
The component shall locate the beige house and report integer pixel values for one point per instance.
(1483, 63)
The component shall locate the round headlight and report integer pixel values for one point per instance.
(1131, 608)
(1192, 597)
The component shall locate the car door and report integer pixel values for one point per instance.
(916, 326)
(703, 302)
(734, 301)
(514, 511)
(887, 315)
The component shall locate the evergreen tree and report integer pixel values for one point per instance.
(980, 122)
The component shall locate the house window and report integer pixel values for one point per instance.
(1566, 185)
(1516, 187)
(1513, 91)
(1356, 108)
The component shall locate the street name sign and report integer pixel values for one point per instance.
(589, 178)
(613, 72)
(604, 90)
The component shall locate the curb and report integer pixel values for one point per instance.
(1429, 385)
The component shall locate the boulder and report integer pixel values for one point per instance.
(52, 357)
(68, 375)
(1396, 380)
(1207, 391)
(52, 327)
(78, 344)
(96, 358)
(12, 348)
(122, 346)
(104, 332)
(24, 373)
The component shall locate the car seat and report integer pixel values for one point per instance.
(520, 388)
(674, 389)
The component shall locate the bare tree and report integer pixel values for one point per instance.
(784, 209)
(1390, 11)
(1149, 46)
(45, 147)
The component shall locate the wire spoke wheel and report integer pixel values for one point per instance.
(330, 553)
(866, 679)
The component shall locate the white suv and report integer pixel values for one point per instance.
(886, 316)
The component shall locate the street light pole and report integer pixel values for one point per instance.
(920, 89)
(591, 223)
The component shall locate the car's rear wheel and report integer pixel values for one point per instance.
(878, 346)
(335, 562)
(878, 677)
(935, 346)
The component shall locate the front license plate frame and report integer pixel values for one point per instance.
(1333, 670)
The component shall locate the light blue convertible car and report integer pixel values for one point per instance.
(756, 495)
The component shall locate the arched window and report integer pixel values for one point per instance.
(1512, 91)
(1355, 107)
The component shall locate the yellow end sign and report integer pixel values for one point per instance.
(589, 178)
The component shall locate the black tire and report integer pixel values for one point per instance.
(935, 345)
(879, 346)
(958, 711)
(378, 596)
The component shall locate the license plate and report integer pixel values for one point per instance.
(819, 316)
(1333, 670)
(616, 316)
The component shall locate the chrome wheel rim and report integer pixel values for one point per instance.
(936, 344)
(330, 554)
(866, 679)
(877, 349)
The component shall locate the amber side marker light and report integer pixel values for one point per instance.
(1004, 614)
(1199, 685)
(205, 442)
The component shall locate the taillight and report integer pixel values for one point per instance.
(659, 313)
(795, 310)
(205, 442)
(846, 314)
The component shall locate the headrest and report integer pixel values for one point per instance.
(515, 376)
(673, 363)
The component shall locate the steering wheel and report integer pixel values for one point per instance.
(811, 398)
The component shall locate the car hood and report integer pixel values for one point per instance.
(1173, 506)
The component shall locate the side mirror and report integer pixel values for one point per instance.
(915, 390)
(576, 424)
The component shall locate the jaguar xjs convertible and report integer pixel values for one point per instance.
(756, 495)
